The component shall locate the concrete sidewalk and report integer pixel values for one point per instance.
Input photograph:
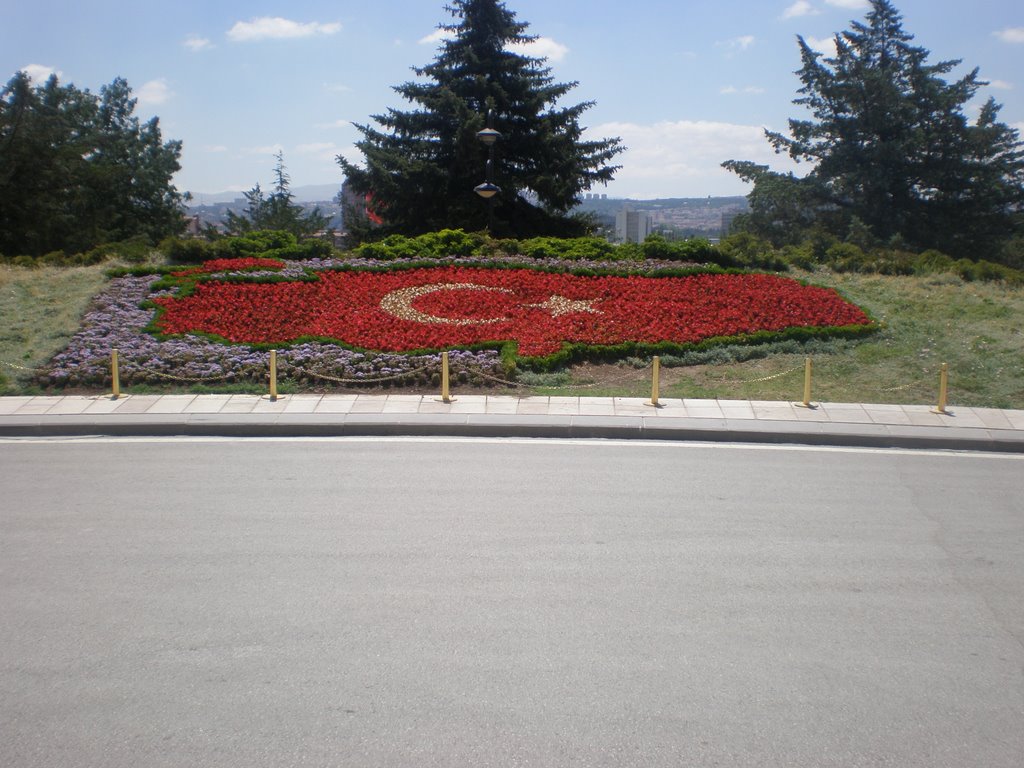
(849, 424)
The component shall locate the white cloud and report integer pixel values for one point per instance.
(800, 8)
(216, 148)
(1001, 85)
(154, 92)
(1011, 35)
(738, 43)
(435, 37)
(272, 149)
(541, 48)
(197, 43)
(276, 28)
(1019, 127)
(730, 90)
(825, 45)
(335, 124)
(337, 87)
(682, 159)
(40, 73)
(853, 5)
(322, 150)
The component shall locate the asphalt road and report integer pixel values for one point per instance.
(507, 603)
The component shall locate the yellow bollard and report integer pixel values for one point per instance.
(656, 383)
(115, 376)
(943, 389)
(446, 395)
(808, 367)
(273, 374)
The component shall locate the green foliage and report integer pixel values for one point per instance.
(78, 170)
(277, 211)
(422, 165)
(745, 250)
(270, 244)
(892, 151)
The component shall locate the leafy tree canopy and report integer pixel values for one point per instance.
(892, 148)
(79, 169)
(422, 165)
(276, 211)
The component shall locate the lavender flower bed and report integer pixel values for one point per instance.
(116, 321)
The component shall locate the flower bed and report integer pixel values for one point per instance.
(540, 312)
(359, 321)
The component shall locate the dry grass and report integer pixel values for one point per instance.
(40, 310)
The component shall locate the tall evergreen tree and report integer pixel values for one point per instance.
(892, 147)
(422, 166)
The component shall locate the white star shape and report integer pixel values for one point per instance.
(560, 305)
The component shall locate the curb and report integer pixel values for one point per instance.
(519, 426)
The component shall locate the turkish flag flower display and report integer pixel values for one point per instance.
(452, 306)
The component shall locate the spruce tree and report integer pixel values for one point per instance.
(421, 166)
(278, 210)
(892, 147)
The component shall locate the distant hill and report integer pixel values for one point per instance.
(311, 193)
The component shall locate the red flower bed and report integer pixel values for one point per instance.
(443, 307)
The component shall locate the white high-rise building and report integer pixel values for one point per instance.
(632, 226)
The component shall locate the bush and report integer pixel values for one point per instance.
(932, 262)
(746, 250)
(450, 242)
(846, 257)
(259, 242)
(694, 250)
(186, 251)
(799, 256)
(266, 243)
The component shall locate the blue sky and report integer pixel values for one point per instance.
(686, 85)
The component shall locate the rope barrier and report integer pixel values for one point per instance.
(188, 379)
(375, 380)
(765, 378)
(24, 368)
(298, 370)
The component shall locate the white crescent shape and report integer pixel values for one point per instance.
(399, 303)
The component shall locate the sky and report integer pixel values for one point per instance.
(685, 84)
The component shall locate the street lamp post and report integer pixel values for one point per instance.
(488, 137)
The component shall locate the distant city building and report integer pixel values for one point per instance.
(632, 226)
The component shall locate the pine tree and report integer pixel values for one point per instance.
(77, 169)
(278, 210)
(892, 147)
(422, 166)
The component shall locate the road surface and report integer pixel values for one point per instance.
(360, 602)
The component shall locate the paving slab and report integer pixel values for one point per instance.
(877, 425)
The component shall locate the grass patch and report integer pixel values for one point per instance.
(41, 309)
(977, 328)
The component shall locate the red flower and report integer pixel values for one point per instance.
(452, 306)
